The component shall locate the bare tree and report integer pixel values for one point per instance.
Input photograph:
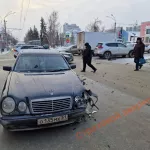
(95, 26)
(53, 27)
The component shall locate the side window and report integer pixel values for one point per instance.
(121, 45)
(74, 47)
(112, 44)
(24, 47)
(30, 47)
(27, 47)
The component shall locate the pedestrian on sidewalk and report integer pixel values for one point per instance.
(138, 53)
(87, 58)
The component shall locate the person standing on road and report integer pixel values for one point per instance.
(87, 58)
(138, 53)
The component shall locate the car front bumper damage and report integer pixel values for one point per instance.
(29, 122)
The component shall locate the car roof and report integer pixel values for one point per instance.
(109, 42)
(28, 45)
(38, 51)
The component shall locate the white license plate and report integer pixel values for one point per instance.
(52, 120)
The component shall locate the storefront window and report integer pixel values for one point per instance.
(147, 31)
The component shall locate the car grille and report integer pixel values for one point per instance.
(50, 105)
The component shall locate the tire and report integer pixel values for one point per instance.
(131, 54)
(107, 55)
(15, 56)
(79, 52)
(100, 56)
(149, 51)
(123, 56)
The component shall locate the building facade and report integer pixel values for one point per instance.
(136, 28)
(145, 31)
(70, 27)
(70, 32)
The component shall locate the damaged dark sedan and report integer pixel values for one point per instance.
(41, 90)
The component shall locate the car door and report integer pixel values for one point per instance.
(113, 48)
(123, 49)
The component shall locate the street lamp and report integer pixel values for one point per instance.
(8, 14)
(114, 19)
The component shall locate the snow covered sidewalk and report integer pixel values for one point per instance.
(131, 60)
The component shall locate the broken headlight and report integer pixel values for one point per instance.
(80, 101)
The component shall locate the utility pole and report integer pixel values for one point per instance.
(5, 27)
(115, 24)
(5, 33)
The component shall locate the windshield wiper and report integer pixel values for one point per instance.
(57, 70)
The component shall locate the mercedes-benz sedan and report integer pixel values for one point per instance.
(41, 91)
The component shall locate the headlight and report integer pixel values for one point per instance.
(80, 102)
(8, 105)
(77, 99)
(22, 106)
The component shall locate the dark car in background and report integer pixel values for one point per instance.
(41, 91)
(73, 49)
(69, 57)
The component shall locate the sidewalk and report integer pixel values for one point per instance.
(129, 61)
(119, 76)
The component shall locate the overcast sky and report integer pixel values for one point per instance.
(80, 12)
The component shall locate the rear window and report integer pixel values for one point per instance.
(27, 47)
(99, 44)
(112, 44)
(74, 47)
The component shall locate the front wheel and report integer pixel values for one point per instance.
(131, 54)
(107, 55)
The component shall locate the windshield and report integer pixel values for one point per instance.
(40, 63)
(99, 44)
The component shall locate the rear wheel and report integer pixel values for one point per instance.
(107, 55)
(15, 56)
(131, 54)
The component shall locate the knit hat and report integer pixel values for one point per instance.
(86, 44)
(139, 38)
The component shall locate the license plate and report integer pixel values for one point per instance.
(52, 120)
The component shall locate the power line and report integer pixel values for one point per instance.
(25, 16)
(21, 11)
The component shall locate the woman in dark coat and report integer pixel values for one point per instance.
(138, 53)
(87, 58)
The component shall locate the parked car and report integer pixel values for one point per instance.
(69, 57)
(147, 48)
(24, 47)
(130, 44)
(41, 91)
(109, 49)
(73, 49)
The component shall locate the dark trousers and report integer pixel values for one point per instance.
(87, 62)
(136, 60)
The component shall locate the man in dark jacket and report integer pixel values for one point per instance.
(138, 53)
(87, 58)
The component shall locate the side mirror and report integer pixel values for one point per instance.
(73, 66)
(7, 68)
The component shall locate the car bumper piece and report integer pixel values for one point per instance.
(23, 123)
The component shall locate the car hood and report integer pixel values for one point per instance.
(40, 85)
